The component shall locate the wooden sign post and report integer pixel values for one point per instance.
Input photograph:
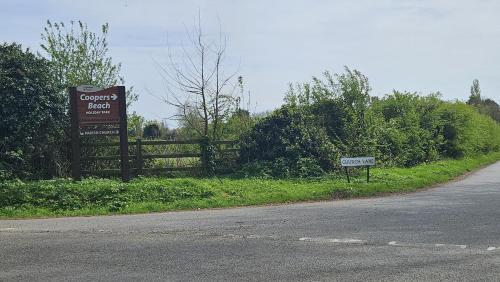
(96, 111)
(359, 161)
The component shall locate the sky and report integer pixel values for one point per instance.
(420, 46)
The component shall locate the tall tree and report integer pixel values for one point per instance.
(80, 56)
(198, 87)
(475, 94)
(484, 106)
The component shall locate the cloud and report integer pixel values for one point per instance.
(428, 45)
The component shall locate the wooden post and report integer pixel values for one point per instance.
(138, 153)
(367, 173)
(347, 173)
(76, 168)
(124, 168)
(205, 155)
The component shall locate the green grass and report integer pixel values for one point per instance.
(63, 197)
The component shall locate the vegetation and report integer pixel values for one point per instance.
(80, 56)
(64, 197)
(32, 112)
(326, 119)
(198, 86)
(485, 106)
(290, 154)
(34, 133)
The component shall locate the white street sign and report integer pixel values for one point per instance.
(359, 161)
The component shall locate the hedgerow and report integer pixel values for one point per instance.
(336, 117)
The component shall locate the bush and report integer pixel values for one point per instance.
(308, 167)
(467, 132)
(410, 129)
(335, 117)
(33, 114)
(283, 138)
(405, 128)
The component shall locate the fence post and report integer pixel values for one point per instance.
(138, 154)
(124, 165)
(347, 173)
(367, 173)
(76, 166)
(207, 156)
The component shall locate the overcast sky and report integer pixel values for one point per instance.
(423, 46)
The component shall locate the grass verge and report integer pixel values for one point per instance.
(63, 197)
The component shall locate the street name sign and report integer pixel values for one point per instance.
(359, 161)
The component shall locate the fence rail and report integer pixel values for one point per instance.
(160, 142)
(146, 152)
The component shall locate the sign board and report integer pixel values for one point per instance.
(98, 107)
(97, 111)
(99, 131)
(88, 88)
(359, 161)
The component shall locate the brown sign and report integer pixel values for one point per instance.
(98, 112)
(100, 107)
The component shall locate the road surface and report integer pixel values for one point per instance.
(447, 233)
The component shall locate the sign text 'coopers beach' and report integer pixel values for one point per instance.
(98, 102)
(100, 107)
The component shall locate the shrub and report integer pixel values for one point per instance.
(32, 111)
(467, 132)
(334, 117)
(405, 128)
(286, 136)
(308, 167)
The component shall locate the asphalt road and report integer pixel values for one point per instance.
(447, 233)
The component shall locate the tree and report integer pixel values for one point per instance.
(339, 102)
(198, 87)
(484, 106)
(134, 124)
(80, 56)
(475, 94)
(151, 130)
(492, 109)
(32, 112)
(354, 89)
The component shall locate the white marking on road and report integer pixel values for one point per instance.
(422, 245)
(333, 240)
(7, 229)
(491, 248)
(251, 236)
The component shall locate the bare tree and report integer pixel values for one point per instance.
(197, 85)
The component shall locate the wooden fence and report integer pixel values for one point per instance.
(145, 157)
